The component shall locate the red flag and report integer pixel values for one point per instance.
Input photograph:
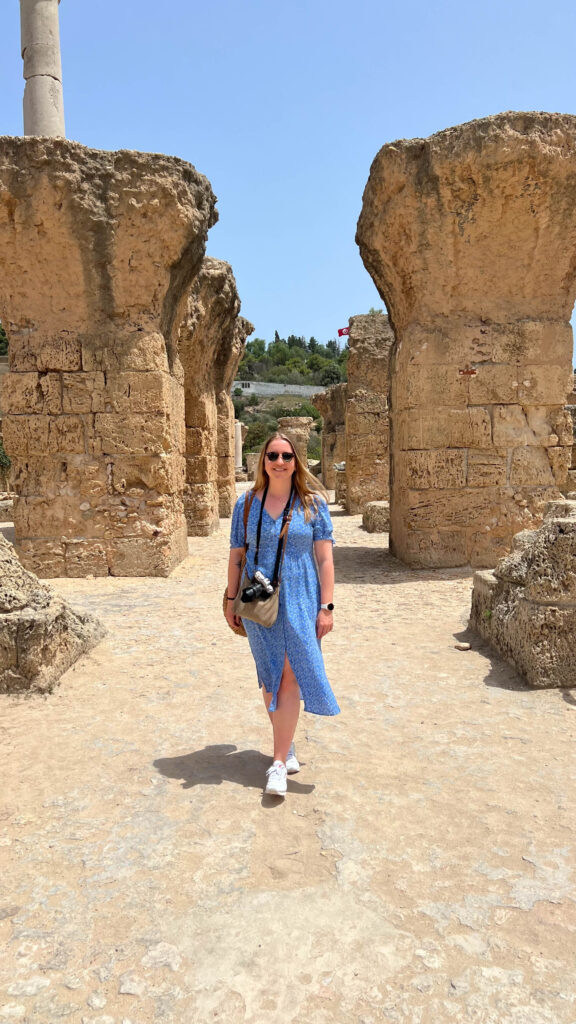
(342, 331)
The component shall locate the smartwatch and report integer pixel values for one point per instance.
(328, 607)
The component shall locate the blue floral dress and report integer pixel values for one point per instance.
(294, 632)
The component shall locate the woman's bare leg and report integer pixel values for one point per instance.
(285, 718)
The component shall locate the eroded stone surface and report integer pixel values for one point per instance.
(212, 342)
(297, 430)
(468, 236)
(40, 635)
(367, 428)
(99, 252)
(526, 607)
(376, 517)
(331, 405)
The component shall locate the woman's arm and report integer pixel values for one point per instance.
(234, 563)
(325, 563)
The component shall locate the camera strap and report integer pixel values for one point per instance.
(286, 517)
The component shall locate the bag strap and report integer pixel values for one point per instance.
(247, 507)
(285, 527)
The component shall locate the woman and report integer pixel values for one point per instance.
(287, 655)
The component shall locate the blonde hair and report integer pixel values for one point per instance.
(307, 487)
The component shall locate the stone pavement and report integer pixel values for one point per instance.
(420, 871)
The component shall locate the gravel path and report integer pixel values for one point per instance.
(420, 870)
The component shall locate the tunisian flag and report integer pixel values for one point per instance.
(342, 331)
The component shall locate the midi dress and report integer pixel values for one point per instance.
(294, 632)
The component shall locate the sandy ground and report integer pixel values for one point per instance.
(420, 870)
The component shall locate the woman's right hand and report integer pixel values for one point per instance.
(231, 618)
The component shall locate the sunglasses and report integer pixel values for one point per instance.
(285, 456)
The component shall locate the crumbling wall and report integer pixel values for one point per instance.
(331, 405)
(469, 236)
(97, 254)
(367, 426)
(212, 342)
(40, 635)
(526, 607)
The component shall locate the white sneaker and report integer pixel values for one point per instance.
(276, 779)
(292, 762)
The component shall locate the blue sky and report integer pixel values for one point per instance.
(284, 106)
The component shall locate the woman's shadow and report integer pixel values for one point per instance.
(223, 762)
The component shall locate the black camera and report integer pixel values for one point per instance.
(259, 588)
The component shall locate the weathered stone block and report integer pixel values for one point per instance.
(40, 635)
(531, 465)
(487, 468)
(526, 608)
(376, 517)
(430, 469)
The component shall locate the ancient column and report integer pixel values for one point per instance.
(43, 97)
(331, 405)
(212, 342)
(297, 430)
(470, 238)
(367, 428)
(97, 254)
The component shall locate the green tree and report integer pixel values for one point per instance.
(332, 347)
(279, 353)
(294, 341)
(312, 344)
(330, 375)
(256, 347)
(3, 341)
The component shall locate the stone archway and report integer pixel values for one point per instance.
(470, 237)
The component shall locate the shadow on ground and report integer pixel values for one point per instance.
(222, 762)
(356, 564)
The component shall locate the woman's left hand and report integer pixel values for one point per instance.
(324, 622)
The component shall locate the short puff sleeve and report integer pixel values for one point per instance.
(321, 523)
(237, 527)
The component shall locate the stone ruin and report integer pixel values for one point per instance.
(469, 236)
(526, 607)
(297, 430)
(367, 428)
(571, 484)
(40, 635)
(99, 254)
(212, 342)
(331, 405)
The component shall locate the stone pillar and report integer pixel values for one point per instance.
(469, 236)
(230, 356)
(367, 427)
(297, 429)
(331, 405)
(212, 342)
(238, 446)
(571, 483)
(97, 252)
(43, 97)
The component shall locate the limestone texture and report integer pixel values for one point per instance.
(297, 430)
(419, 871)
(212, 342)
(367, 427)
(469, 237)
(40, 635)
(376, 517)
(331, 405)
(97, 257)
(526, 607)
